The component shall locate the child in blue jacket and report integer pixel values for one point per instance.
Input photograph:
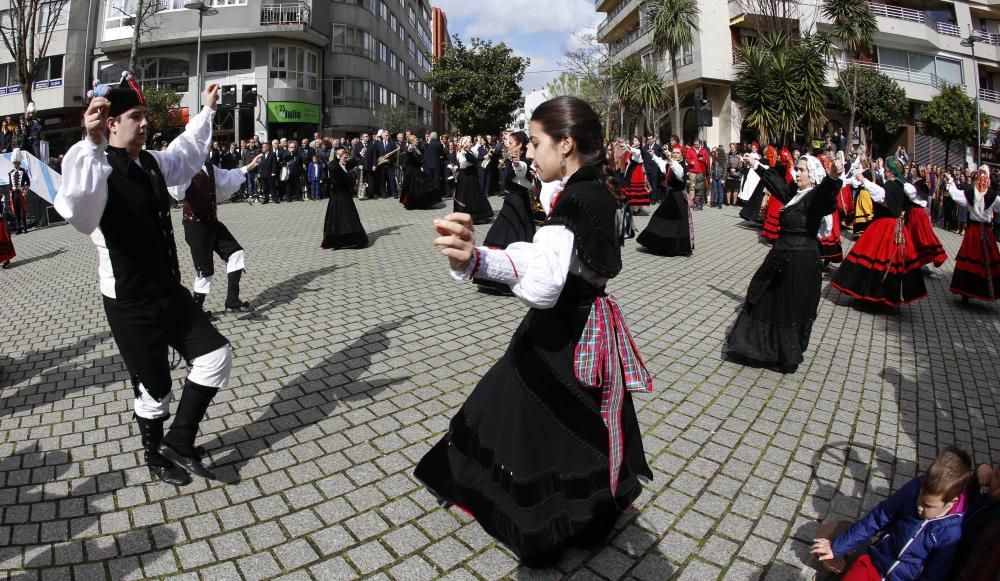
(921, 525)
(317, 170)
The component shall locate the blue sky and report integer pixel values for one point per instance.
(539, 29)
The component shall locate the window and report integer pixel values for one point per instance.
(383, 10)
(950, 71)
(368, 5)
(51, 69)
(920, 68)
(158, 72)
(383, 96)
(353, 93)
(402, 34)
(393, 61)
(393, 23)
(411, 16)
(411, 47)
(354, 40)
(171, 5)
(294, 68)
(220, 62)
(119, 13)
(383, 52)
(224, 3)
(52, 16)
(7, 78)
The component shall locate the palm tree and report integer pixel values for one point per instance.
(673, 23)
(854, 25)
(757, 93)
(623, 77)
(648, 92)
(810, 75)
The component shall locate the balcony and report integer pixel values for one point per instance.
(990, 38)
(990, 95)
(915, 16)
(284, 14)
(620, 45)
(905, 74)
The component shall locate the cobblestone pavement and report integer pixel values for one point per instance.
(354, 362)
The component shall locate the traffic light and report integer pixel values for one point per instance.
(229, 95)
(249, 99)
(705, 113)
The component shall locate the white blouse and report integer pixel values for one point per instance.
(986, 215)
(536, 271)
(85, 169)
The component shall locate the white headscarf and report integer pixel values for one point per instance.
(816, 172)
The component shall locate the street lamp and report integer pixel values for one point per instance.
(203, 11)
(970, 42)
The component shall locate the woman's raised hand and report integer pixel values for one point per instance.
(456, 238)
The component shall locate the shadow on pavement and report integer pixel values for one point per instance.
(46, 256)
(307, 400)
(287, 291)
(387, 231)
(56, 361)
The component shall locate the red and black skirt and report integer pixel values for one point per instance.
(845, 205)
(635, 189)
(829, 247)
(977, 266)
(6, 244)
(919, 229)
(882, 267)
(772, 221)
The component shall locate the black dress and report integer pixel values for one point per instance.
(514, 223)
(469, 196)
(776, 320)
(419, 190)
(753, 209)
(528, 452)
(669, 230)
(342, 226)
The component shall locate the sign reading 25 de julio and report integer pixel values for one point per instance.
(292, 112)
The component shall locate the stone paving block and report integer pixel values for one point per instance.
(369, 557)
(260, 566)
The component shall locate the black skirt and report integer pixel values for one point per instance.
(668, 232)
(469, 198)
(776, 320)
(342, 227)
(420, 192)
(514, 222)
(751, 209)
(527, 454)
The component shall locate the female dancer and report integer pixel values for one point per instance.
(342, 226)
(830, 249)
(918, 225)
(635, 188)
(670, 231)
(469, 197)
(546, 453)
(774, 325)
(772, 219)
(420, 192)
(882, 267)
(977, 266)
(514, 221)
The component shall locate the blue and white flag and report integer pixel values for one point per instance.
(44, 180)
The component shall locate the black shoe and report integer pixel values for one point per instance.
(192, 465)
(242, 307)
(170, 475)
(151, 435)
(6, 265)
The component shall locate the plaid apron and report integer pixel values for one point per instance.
(606, 358)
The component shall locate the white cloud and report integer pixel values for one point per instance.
(494, 18)
(540, 72)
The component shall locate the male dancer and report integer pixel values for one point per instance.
(116, 192)
(19, 183)
(205, 233)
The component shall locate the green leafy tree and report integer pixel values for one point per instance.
(649, 92)
(396, 119)
(854, 27)
(163, 111)
(623, 80)
(673, 23)
(478, 83)
(565, 84)
(951, 117)
(881, 107)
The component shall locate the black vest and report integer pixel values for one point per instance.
(894, 203)
(589, 209)
(200, 203)
(137, 228)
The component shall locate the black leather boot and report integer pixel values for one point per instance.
(151, 434)
(233, 302)
(178, 444)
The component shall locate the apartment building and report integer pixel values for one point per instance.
(298, 66)
(919, 44)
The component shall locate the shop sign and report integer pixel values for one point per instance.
(292, 112)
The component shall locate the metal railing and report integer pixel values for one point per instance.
(990, 38)
(279, 14)
(948, 29)
(898, 12)
(614, 12)
(619, 45)
(905, 74)
(990, 95)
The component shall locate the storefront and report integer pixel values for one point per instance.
(291, 119)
